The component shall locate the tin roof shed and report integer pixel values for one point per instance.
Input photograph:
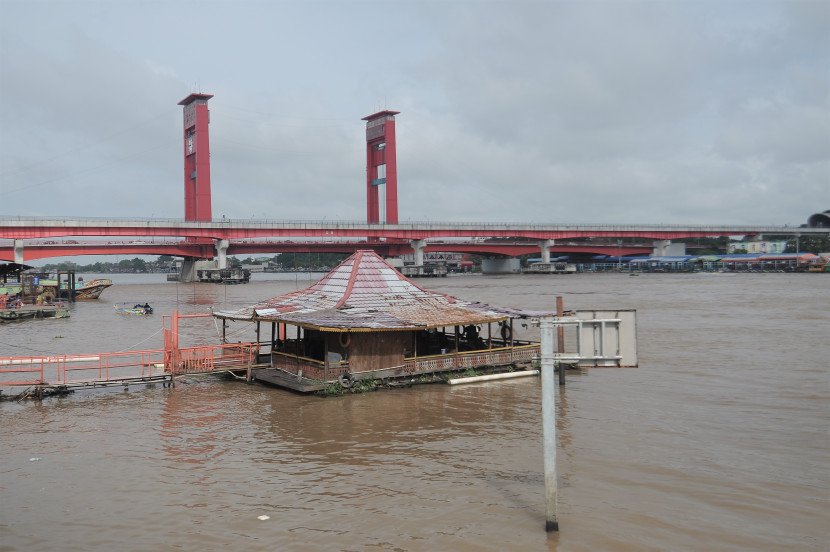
(365, 293)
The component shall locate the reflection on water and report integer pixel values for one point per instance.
(718, 441)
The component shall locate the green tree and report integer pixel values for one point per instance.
(808, 244)
(134, 265)
(310, 260)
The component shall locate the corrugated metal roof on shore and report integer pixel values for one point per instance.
(365, 292)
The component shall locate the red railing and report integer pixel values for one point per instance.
(81, 369)
(74, 370)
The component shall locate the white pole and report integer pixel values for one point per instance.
(549, 423)
(493, 377)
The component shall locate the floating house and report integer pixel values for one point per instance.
(364, 319)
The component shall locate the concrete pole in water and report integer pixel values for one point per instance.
(549, 423)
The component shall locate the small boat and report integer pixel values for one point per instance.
(91, 289)
(133, 308)
(25, 312)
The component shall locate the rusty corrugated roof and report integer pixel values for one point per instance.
(365, 293)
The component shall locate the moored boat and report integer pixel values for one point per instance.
(84, 291)
(91, 289)
(25, 312)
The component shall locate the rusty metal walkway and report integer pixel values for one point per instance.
(101, 369)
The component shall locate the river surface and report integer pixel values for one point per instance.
(720, 440)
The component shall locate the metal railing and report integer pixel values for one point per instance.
(471, 359)
(317, 369)
(68, 370)
(108, 368)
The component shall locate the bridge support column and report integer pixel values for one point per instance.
(545, 246)
(418, 246)
(665, 248)
(221, 253)
(505, 265)
(18, 251)
(660, 247)
(188, 270)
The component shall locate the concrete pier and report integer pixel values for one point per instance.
(507, 265)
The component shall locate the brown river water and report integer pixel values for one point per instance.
(720, 440)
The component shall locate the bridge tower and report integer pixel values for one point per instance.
(196, 158)
(381, 168)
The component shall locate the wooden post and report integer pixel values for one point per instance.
(549, 424)
(325, 356)
(560, 339)
(455, 356)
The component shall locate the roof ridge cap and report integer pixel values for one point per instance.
(352, 279)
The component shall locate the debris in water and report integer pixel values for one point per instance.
(34, 459)
(263, 517)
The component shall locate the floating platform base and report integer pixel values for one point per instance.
(424, 271)
(34, 311)
(287, 380)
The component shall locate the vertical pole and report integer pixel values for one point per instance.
(560, 339)
(512, 343)
(619, 255)
(455, 356)
(325, 356)
(549, 424)
(174, 340)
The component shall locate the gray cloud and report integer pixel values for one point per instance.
(546, 111)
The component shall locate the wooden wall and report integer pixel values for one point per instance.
(375, 350)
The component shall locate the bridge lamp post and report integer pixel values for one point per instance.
(619, 255)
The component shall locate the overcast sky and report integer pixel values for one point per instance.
(513, 111)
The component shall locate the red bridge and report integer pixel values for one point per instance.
(28, 239)
(198, 236)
